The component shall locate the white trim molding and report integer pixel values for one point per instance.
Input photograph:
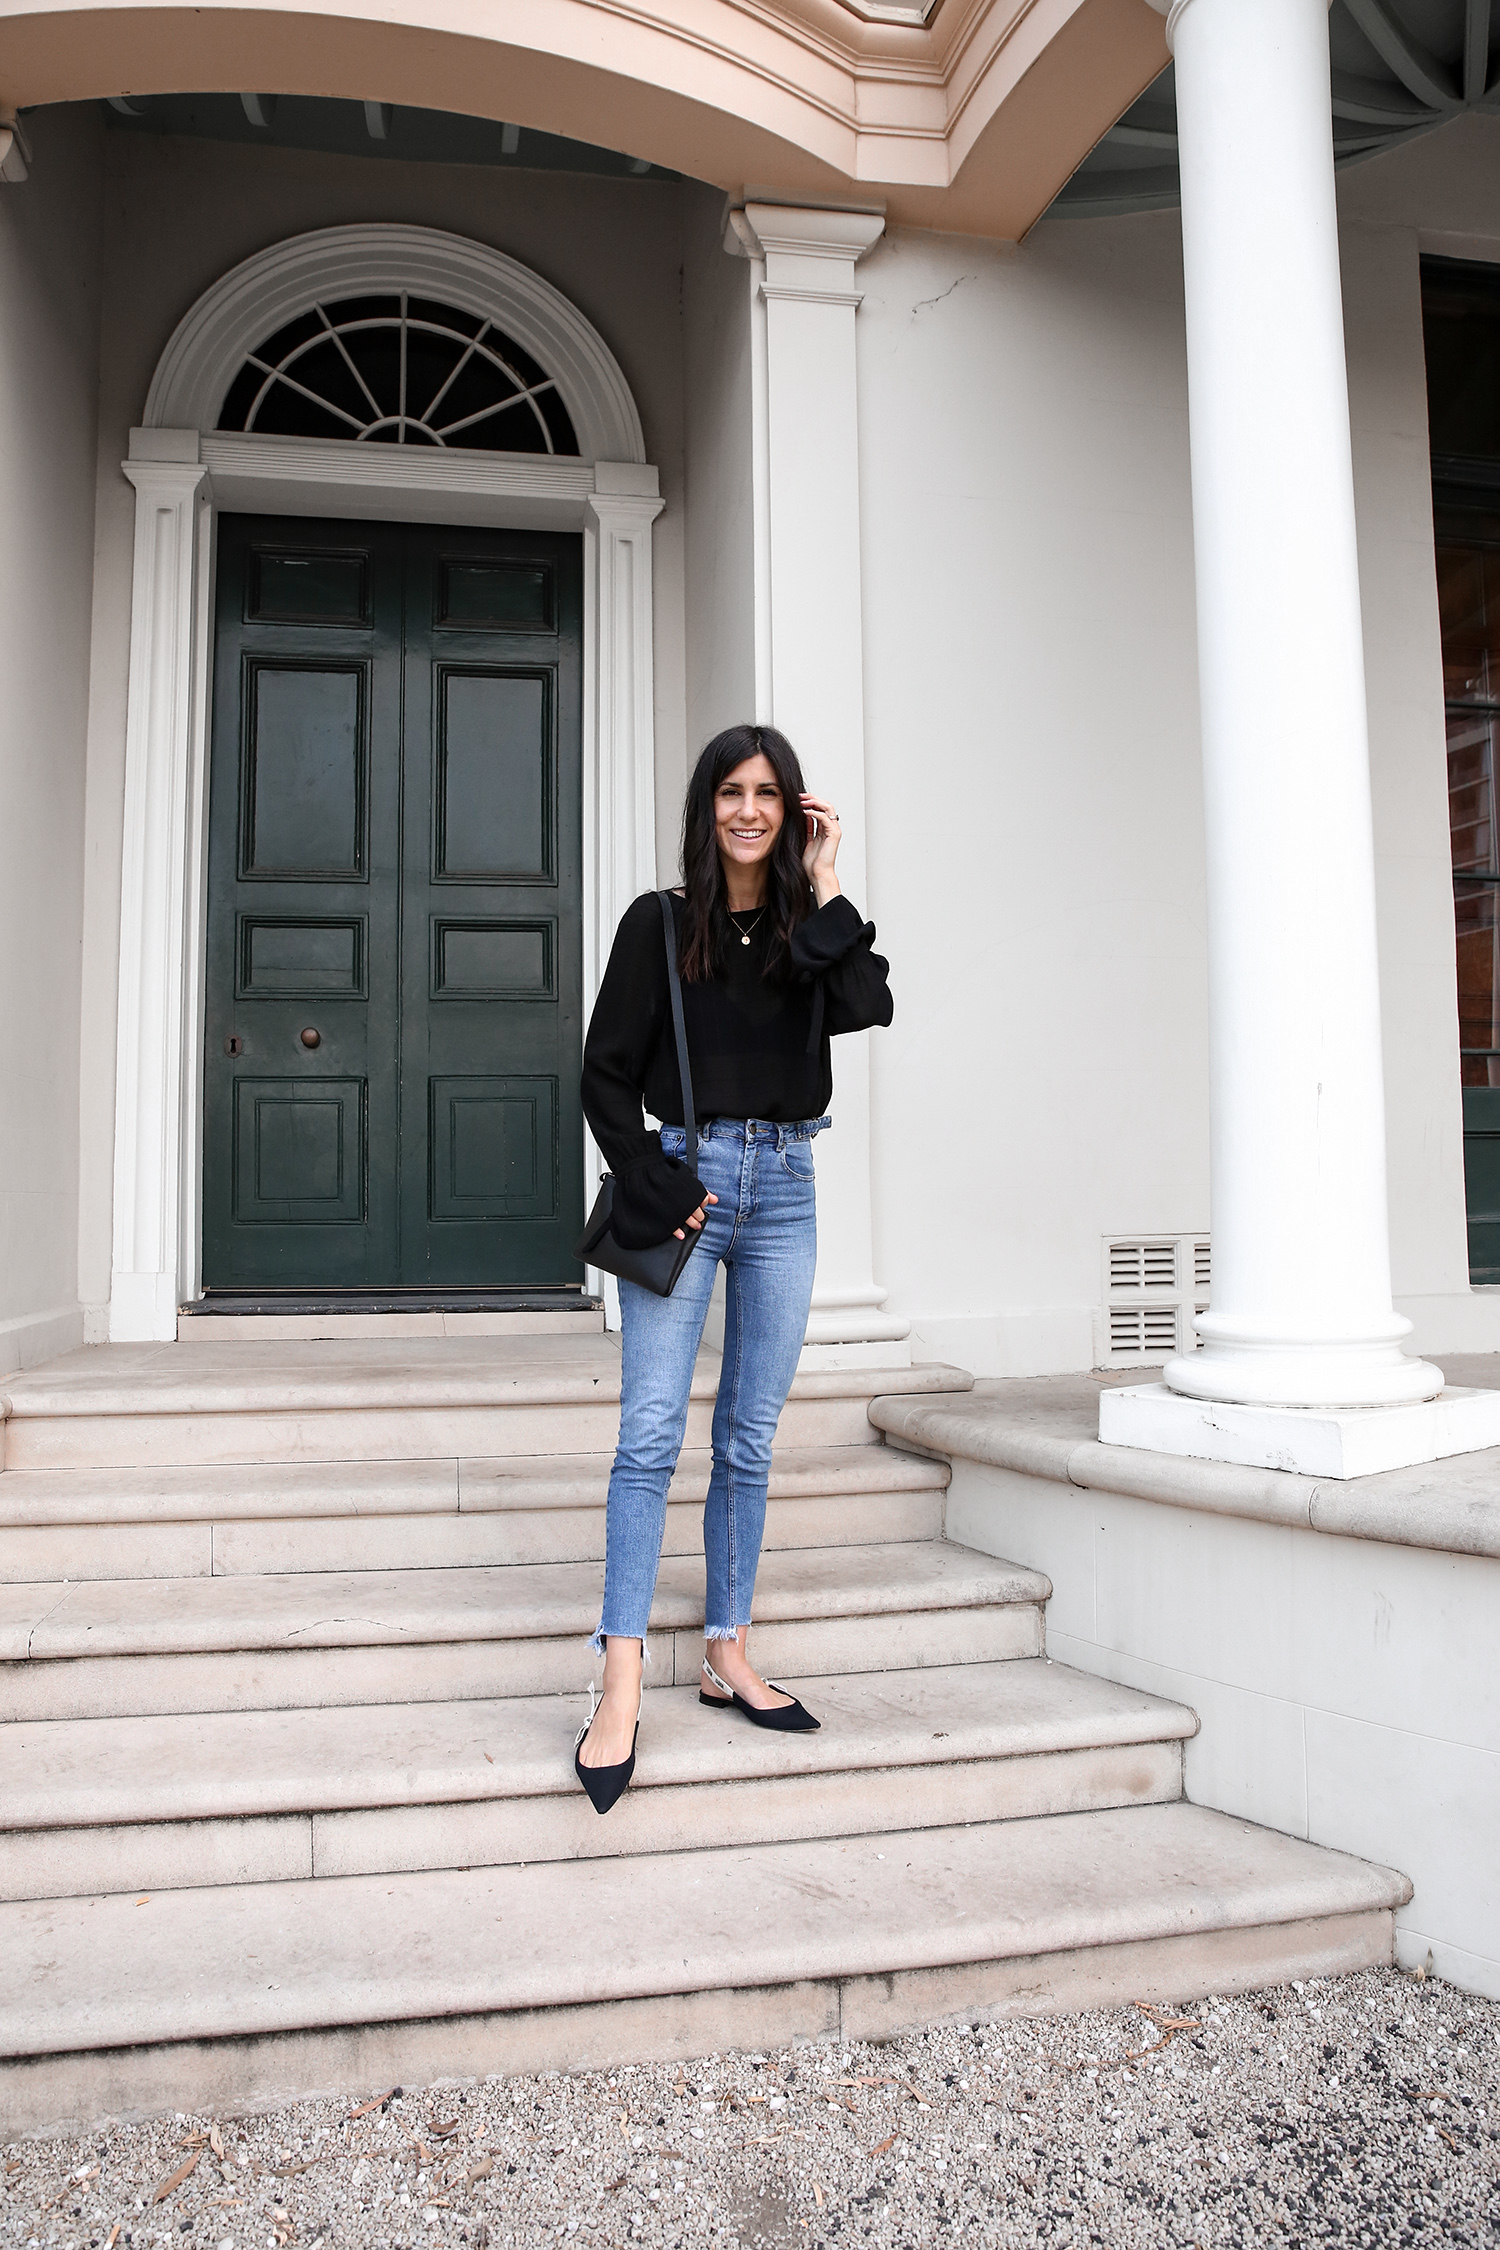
(208, 346)
(619, 819)
(183, 475)
(159, 736)
(397, 483)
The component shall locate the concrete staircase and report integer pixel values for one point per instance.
(292, 1651)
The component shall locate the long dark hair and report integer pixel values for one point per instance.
(706, 925)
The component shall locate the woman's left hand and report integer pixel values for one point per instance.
(824, 836)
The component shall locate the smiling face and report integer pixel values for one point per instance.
(748, 813)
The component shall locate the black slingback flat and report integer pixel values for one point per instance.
(605, 1785)
(784, 1718)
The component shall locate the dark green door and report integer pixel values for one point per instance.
(394, 1000)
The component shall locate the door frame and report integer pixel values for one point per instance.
(184, 472)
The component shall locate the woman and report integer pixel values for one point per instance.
(773, 959)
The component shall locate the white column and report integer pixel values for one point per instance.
(1302, 1309)
(813, 652)
(1301, 1326)
(156, 874)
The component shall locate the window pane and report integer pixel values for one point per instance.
(1461, 324)
(1478, 1023)
(1471, 810)
(1468, 568)
(374, 371)
(1469, 603)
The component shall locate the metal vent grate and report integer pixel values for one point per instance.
(1142, 1331)
(1153, 1285)
(1143, 1265)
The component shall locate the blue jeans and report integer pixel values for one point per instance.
(764, 1228)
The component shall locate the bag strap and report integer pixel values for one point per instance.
(674, 986)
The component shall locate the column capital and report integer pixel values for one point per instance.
(165, 463)
(1172, 10)
(808, 254)
(811, 234)
(626, 496)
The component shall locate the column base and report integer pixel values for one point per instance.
(896, 1352)
(143, 1308)
(1312, 1441)
(1237, 1365)
(855, 1333)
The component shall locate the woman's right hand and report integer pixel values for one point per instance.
(696, 1219)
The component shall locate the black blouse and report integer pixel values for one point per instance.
(759, 1047)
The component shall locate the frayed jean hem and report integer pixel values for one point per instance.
(721, 1632)
(598, 1639)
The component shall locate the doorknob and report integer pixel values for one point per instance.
(312, 1038)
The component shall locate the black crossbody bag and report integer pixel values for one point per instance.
(659, 1267)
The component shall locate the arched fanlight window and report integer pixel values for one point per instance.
(399, 370)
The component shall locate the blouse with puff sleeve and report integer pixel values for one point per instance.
(758, 1046)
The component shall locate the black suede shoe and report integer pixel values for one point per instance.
(605, 1785)
(785, 1718)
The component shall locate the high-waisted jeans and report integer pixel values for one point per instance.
(764, 1229)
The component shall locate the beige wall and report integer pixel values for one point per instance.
(181, 212)
(1035, 816)
(49, 314)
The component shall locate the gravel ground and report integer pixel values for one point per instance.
(1359, 2110)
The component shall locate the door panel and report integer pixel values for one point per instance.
(299, 1151)
(492, 1132)
(303, 585)
(481, 960)
(494, 1148)
(307, 756)
(496, 779)
(279, 956)
(394, 1016)
(303, 908)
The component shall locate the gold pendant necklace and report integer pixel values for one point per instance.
(755, 925)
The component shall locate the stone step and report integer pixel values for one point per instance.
(271, 1491)
(346, 1325)
(421, 1398)
(79, 1524)
(103, 1805)
(376, 1637)
(252, 1992)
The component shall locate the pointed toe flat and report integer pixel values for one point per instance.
(604, 1785)
(785, 1718)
